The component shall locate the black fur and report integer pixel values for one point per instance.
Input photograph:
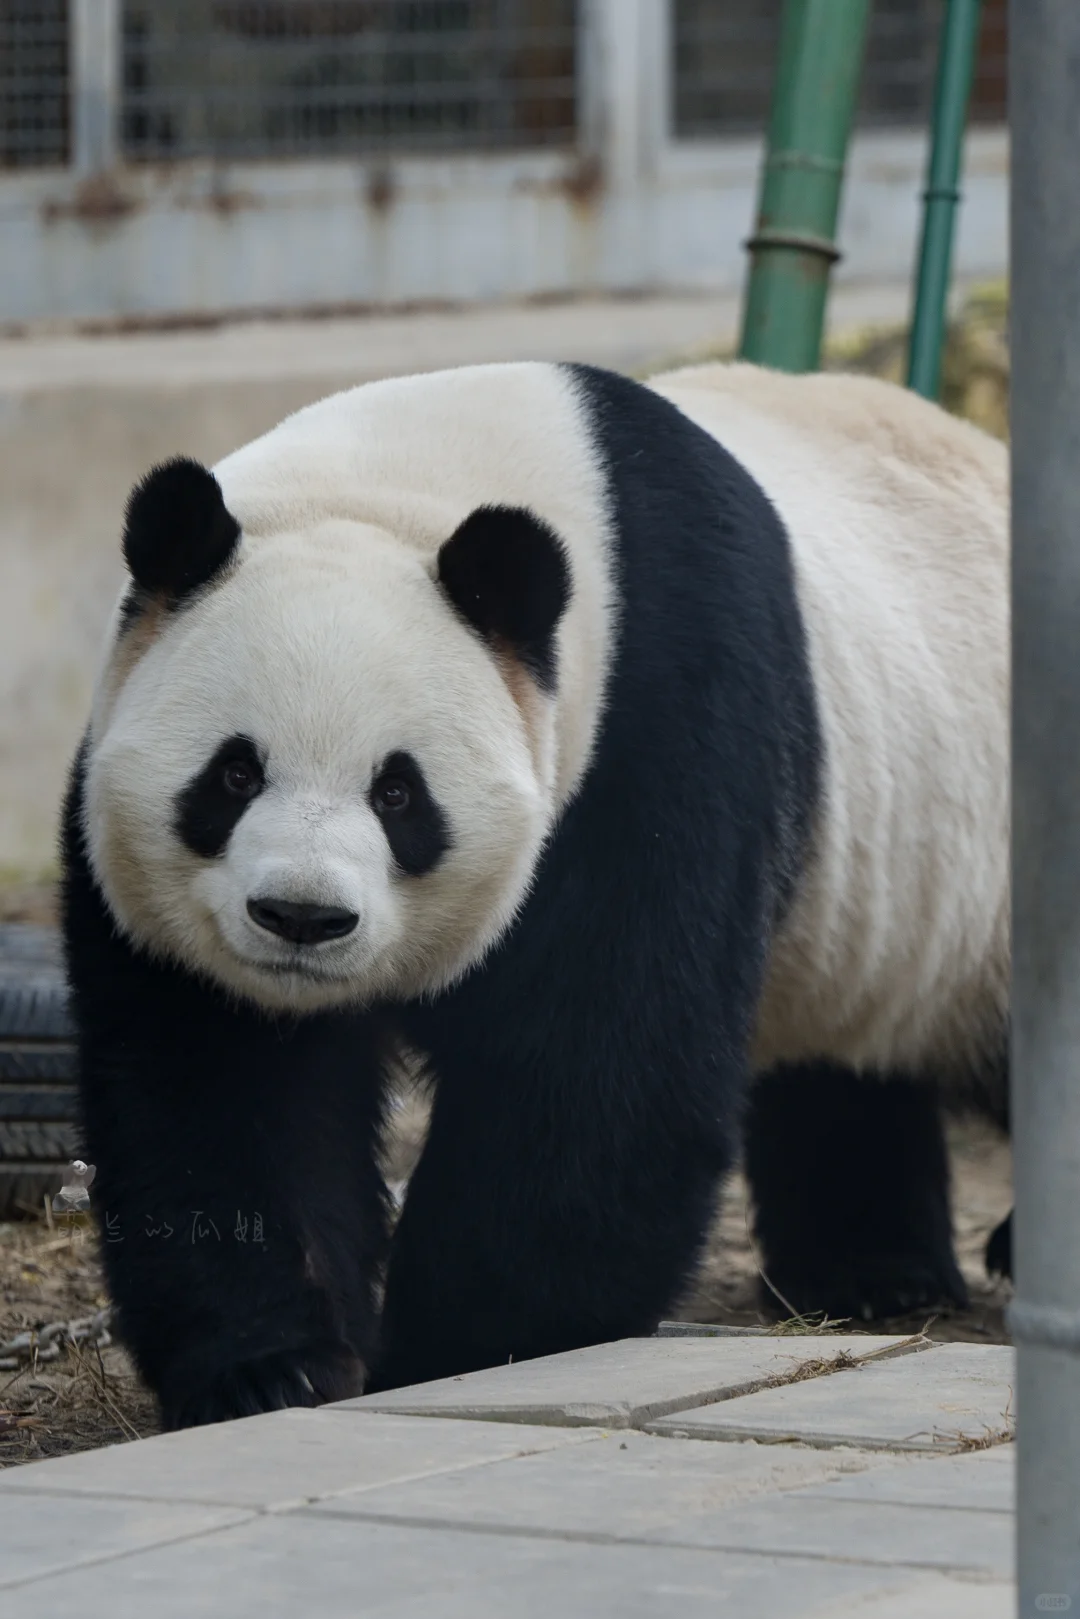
(591, 1070)
(999, 1249)
(506, 572)
(991, 1098)
(207, 812)
(850, 1180)
(178, 532)
(418, 834)
(242, 1213)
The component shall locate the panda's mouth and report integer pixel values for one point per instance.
(298, 969)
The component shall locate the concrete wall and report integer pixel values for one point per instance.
(628, 209)
(67, 459)
(206, 239)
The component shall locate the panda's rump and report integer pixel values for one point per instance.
(894, 952)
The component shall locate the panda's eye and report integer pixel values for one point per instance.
(390, 795)
(240, 779)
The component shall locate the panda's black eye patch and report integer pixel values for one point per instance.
(209, 807)
(415, 827)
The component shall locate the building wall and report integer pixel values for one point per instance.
(194, 190)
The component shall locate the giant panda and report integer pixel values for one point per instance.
(608, 745)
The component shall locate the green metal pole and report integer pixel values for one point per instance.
(793, 247)
(956, 67)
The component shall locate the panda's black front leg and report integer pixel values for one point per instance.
(536, 1224)
(241, 1209)
(578, 1136)
(850, 1183)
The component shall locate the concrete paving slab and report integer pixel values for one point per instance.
(625, 1384)
(941, 1400)
(279, 1460)
(627, 1486)
(303, 1562)
(930, 1597)
(662, 1492)
(963, 1541)
(40, 1536)
(367, 1512)
(986, 1480)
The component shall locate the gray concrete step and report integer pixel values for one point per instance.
(276, 1462)
(949, 1398)
(294, 1566)
(357, 1510)
(630, 1383)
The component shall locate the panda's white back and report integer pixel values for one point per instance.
(896, 951)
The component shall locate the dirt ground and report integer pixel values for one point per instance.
(91, 1396)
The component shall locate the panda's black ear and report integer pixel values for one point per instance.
(506, 572)
(178, 531)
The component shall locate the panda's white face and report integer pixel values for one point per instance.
(315, 783)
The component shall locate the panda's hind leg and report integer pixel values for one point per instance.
(849, 1177)
(999, 1248)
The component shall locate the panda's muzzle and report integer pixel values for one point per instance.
(300, 923)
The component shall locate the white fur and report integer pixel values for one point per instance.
(331, 644)
(897, 949)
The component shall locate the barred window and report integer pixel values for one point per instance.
(294, 78)
(33, 83)
(725, 56)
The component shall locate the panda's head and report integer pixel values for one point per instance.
(320, 766)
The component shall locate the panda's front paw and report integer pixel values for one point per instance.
(306, 1377)
(870, 1288)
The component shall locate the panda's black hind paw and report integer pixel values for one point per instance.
(999, 1249)
(272, 1382)
(870, 1289)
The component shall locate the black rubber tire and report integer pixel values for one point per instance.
(38, 1098)
(33, 1012)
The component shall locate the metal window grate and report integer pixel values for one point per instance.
(312, 78)
(33, 83)
(725, 53)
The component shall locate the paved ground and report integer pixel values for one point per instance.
(742, 1475)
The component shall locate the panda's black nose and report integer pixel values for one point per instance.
(301, 924)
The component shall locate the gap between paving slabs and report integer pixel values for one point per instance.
(961, 1401)
(581, 1388)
